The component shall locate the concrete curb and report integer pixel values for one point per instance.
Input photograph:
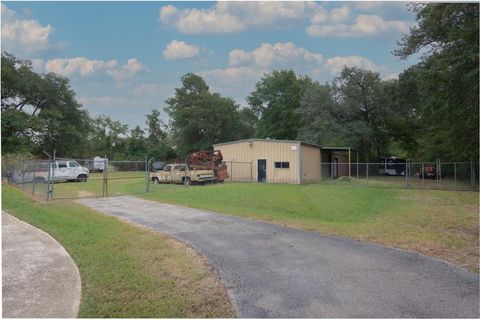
(40, 279)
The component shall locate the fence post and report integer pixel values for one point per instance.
(472, 175)
(357, 165)
(23, 174)
(440, 172)
(53, 173)
(455, 174)
(33, 178)
(423, 176)
(105, 178)
(407, 173)
(50, 166)
(367, 170)
(147, 180)
(231, 171)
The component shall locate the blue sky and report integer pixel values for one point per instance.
(125, 58)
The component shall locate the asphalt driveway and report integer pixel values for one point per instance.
(275, 271)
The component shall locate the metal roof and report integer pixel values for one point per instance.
(283, 141)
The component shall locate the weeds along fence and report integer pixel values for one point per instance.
(78, 178)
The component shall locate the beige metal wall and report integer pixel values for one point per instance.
(271, 151)
(311, 164)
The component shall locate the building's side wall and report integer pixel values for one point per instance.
(271, 151)
(311, 164)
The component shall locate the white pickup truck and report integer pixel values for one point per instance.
(180, 173)
(61, 170)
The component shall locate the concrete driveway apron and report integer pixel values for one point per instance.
(275, 271)
(40, 279)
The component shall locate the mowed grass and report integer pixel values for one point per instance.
(119, 183)
(439, 223)
(126, 271)
(443, 224)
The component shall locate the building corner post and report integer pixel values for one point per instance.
(299, 163)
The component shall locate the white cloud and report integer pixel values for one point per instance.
(363, 25)
(340, 14)
(85, 67)
(152, 89)
(37, 65)
(102, 101)
(278, 54)
(127, 71)
(80, 65)
(335, 65)
(180, 50)
(235, 75)
(249, 66)
(226, 17)
(23, 36)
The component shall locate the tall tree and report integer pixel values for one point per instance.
(358, 109)
(447, 78)
(136, 144)
(200, 118)
(40, 111)
(158, 145)
(360, 92)
(107, 136)
(275, 100)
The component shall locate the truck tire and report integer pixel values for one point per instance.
(187, 181)
(155, 180)
(82, 178)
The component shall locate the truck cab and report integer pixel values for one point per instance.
(181, 173)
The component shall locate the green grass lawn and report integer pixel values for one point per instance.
(438, 223)
(126, 271)
(443, 224)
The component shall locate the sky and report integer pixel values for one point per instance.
(124, 59)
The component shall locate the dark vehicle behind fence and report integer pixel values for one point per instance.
(158, 166)
(392, 166)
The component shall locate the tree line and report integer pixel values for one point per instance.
(430, 111)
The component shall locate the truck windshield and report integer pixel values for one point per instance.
(167, 168)
(73, 164)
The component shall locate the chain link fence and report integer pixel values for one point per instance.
(82, 178)
(412, 175)
(78, 178)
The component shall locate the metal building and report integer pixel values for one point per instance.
(284, 161)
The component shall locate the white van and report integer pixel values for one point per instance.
(62, 170)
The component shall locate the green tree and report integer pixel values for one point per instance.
(322, 118)
(136, 144)
(40, 111)
(446, 79)
(360, 93)
(275, 101)
(200, 118)
(158, 145)
(107, 136)
(360, 110)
